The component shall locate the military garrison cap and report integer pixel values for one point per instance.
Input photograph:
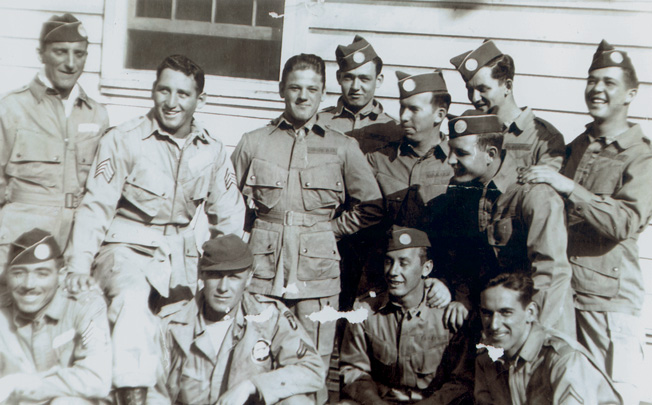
(409, 85)
(474, 122)
(354, 55)
(34, 246)
(63, 28)
(402, 238)
(470, 62)
(608, 56)
(224, 253)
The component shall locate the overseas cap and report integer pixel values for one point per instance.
(470, 62)
(403, 238)
(607, 56)
(474, 122)
(356, 54)
(63, 28)
(226, 253)
(35, 246)
(409, 85)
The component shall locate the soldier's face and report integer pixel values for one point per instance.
(223, 290)
(33, 286)
(404, 271)
(64, 63)
(607, 95)
(485, 92)
(419, 116)
(469, 161)
(302, 91)
(176, 98)
(506, 322)
(359, 85)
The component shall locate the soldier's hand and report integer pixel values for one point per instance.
(239, 394)
(78, 282)
(23, 387)
(437, 294)
(455, 315)
(546, 174)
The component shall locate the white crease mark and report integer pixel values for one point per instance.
(291, 289)
(494, 352)
(264, 316)
(329, 314)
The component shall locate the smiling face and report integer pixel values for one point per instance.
(359, 85)
(487, 93)
(302, 91)
(404, 272)
(506, 322)
(469, 160)
(607, 95)
(64, 63)
(419, 116)
(176, 98)
(223, 291)
(32, 286)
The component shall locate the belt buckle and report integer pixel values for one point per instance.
(289, 218)
(71, 200)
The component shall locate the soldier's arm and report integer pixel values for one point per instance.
(7, 136)
(551, 150)
(241, 160)
(482, 387)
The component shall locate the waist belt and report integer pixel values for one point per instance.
(293, 218)
(126, 226)
(67, 200)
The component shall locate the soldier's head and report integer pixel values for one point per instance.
(424, 104)
(476, 141)
(507, 311)
(62, 50)
(177, 92)
(359, 73)
(407, 263)
(33, 272)
(302, 86)
(612, 84)
(489, 76)
(226, 270)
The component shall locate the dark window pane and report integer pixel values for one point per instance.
(234, 11)
(263, 19)
(196, 10)
(154, 8)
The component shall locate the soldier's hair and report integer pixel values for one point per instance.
(491, 139)
(379, 64)
(424, 254)
(185, 65)
(631, 80)
(440, 100)
(304, 61)
(518, 282)
(502, 68)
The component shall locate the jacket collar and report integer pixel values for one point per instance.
(39, 88)
(372, 109)
(313, 125)
(625, 140)
(522, 121)
(196, 130)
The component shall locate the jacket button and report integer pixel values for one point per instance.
(19, 155)
(113, 235)
(305, 250)
(334, 252)
(56, 158)
(83, 160)
(269, 247)
(615, 269)
(278, 183)
(338, 183)
(252, 177)
(307, 184)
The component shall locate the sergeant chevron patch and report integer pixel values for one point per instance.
(105, 168)
(229, 179)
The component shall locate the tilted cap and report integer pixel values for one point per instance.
(403, 238)
(409, 85)
(354, 55)
(34, 246)
(63, 28)
(470, 62)
(474, 122)
(227, 252)
(608, 56)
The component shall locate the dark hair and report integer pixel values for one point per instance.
(183, 64)
(518, 282)
(631, 80)
(491, 139)
(379, 64)
(305, 61)
(440, 100)
(502, 68)
(424, 254)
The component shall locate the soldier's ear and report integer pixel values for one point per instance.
(281, 86)
(338, 76)
(492, 153)
(531, 312)
(631, 95)
(426, 268)
(39, 54)
(379, 80)
(201, 101)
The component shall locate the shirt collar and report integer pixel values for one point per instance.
(196, 129)
(521, 122)
(533, 343)
(440, 151)
(626, 139)
(389, 306)
(374, 109)
(506, 175)
(41, 85)
(54, 310)
(313, 125)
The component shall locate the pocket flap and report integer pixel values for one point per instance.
(606, 265)
(147, 182)
(31, 146)
(319, 244)
(327, 177)
(86, 150)
(266, 174)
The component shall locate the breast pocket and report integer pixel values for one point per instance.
(606, 176)
(85, 152)
(597, 275)
(193, 387)
(145, 190)
(322, 186)
(265, 182)
(500, 232)
(318, 256)
(425, 364)
(264, 246)
(36, 157)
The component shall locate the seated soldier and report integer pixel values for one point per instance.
(393, 355)
(54, 347)
(229, 346)
(538, 365)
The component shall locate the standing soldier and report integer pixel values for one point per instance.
(149, 176)
(49, 131)
(606, 185)
(489, 77)
(358, 113)
(295, 173)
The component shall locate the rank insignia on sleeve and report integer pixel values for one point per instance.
(260, 351)
(291, 319)
(105, 168)
(229, 179)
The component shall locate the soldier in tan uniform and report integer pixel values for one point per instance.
(537, 365)
(295, 173)
(54, 346)
(49, 131)
(148, 178)
(229, 346)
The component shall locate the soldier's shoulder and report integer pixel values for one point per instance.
(18, 90)
(256, 304)
(328, 110)
(176, 311)
(371, 301)
(129, 126)
(547, 126)
(8, 99)
(560, 344)
(87, 298)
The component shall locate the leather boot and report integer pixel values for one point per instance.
(131, 396)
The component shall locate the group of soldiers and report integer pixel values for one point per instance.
(493, 265)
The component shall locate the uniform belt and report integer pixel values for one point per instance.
(168, 229)
(293, 218)
(67, 200)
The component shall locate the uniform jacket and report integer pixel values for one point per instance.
(529, 140)
(608, 209)
(394, 353)
(295, 184)
(75, 352)
(265, 344)
(549, 369)
(143, 187)
(371, 126)
(45, 158)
